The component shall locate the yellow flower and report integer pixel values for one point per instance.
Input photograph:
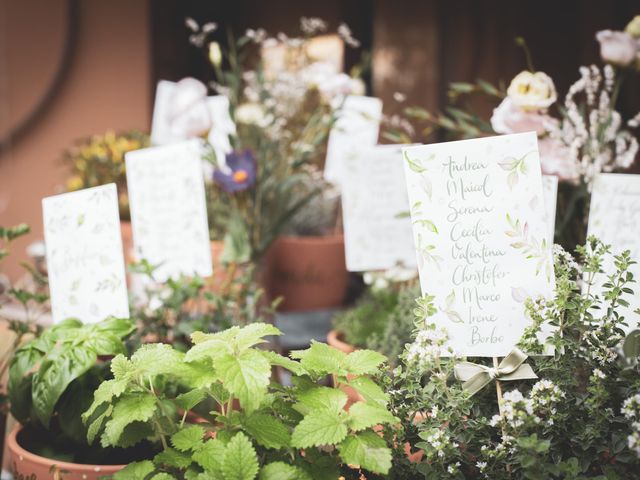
(633, 28)
(532, 91)
(75, 183)
(215, 54)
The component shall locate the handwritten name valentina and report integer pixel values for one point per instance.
(477, 272)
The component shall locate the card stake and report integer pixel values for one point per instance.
(168, 209)
(84, 255)
(614, 217)
(480, 231)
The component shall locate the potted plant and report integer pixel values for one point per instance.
(51, 382)
(99, 160)
(257, 427)
(579, 419)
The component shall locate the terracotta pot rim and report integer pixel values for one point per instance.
(334, 338)
(24, 455)
(333, 238)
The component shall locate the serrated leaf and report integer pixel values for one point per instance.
(319, 428)
(212, 348)
(368, 450)
(267, 430)
(95, 426)
(369, 390)
(362, 362)
(240, 460)
(321, 359)
(163, 476)
(282, 471)
(106, 392)
(188, 438)
(253, 334)
(135, 471)
(130, 408)
(281, 361)
(246, 377)
(210, 456)
(321, 399)
(364, 415)
(171, 457)
(157, 359)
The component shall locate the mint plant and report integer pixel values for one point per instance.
(258, 427)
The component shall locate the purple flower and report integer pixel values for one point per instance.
(239, 172)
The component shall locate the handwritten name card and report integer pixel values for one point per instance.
(168, 209)
(550, 196)
(84, 255)
(374, 197)
(481, 237)
(614, 217)
(357, 127)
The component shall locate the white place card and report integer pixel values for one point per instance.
(87, 277)
(550, 196)
(614, 217)
(377, 231)
(168, 209)
(356, 127)
(481, 237)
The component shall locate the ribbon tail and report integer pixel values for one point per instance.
(523, 372)
(477, 382)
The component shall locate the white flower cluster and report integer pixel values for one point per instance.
(631, 411)
(560, 255)
(427, 346)
(539, 408)
(382, 279)
(594, 132)
(439, 443)
(600, 343)
(312, 25)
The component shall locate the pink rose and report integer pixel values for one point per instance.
(617, 48)
(555, 159)
(509, 118)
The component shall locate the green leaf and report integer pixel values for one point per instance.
(186, 401)
(282, 471)
(277, 359)
(428, 224)
(240, 459)
(245, 377)
(267, 430)
(135, 471)
(362, 362)
(368, 450)
(631, 345)
(253, 334)
(163, 476)
(322, 398)
(319, 428)
(322, 359)
(369, 390)
(210, 456)
(413, 164)
(188, 438)
(130, 408)
(172, 458)
(364, 415)
(157, 359)
(212, 348)
(106, 392)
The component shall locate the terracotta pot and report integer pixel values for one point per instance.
(28, 466)
(334, 338)
(310, 273)
(127, 241)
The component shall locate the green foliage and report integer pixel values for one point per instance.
(579, 420)
(258, 429)
(382, 320)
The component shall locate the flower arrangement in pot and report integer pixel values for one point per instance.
(257, 428)
(578, 419)
(577, 140)
(282, 111)
(51, 382)
(99, 160)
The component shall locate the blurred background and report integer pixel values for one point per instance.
(70, 69)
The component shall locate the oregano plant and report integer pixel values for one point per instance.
(258, 427)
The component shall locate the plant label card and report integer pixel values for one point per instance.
(356, 127)
(550, 194)
(614, 217)
(481, 237)
(377, 230)
(87, 277)
(168, 209)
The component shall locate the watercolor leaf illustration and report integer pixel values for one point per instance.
(531, 248)
(516, 166)
(428, 224)
(448, 310)
(519, 294)
(414, 164)
(426, 255)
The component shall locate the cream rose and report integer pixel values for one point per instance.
(532, 91)
(633, 28)
(617, 48)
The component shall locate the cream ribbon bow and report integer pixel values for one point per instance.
(512, 367)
